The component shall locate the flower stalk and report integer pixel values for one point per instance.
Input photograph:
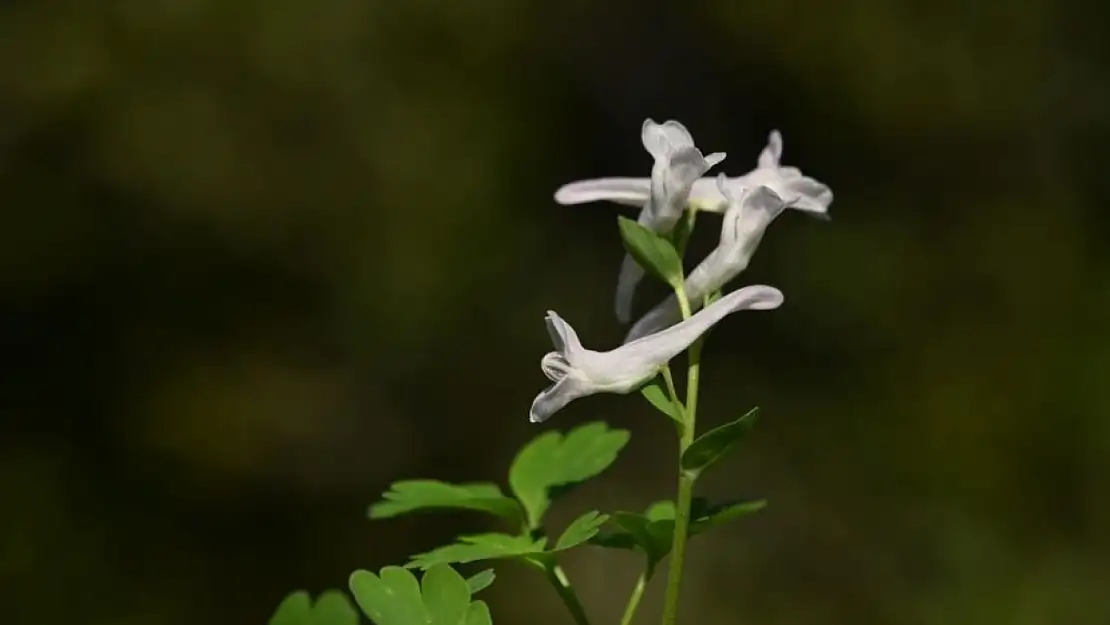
(685, 480)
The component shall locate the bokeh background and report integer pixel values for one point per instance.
(260, 258)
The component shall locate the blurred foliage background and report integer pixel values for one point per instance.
(260, 258)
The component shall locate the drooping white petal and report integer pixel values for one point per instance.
(629, 366)
(742, 229)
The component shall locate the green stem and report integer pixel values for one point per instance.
(693, 378)
(685, 480)
(678, 548)
(558, 578)
(634, 600)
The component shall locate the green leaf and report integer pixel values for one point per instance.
(478, 547)
(663, 510)
(652, 536)
(295, 609)
(393, 598)
(655, 394)
(581, 529)
(714, 444)
(553, 460)
(500, 546)
(331, 608)
(480, 581)
(711, 516)
(446, 595)
(412, 495)
(652, 532)
(478, 614)
(652, 252)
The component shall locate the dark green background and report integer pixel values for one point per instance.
(259, 258)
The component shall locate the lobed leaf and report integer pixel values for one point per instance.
(652, 532)
(391, 598)
(408, 496)
(442, 597)
(555, 460)
(581, 530)
(490, 546)
(331, 608)
(295, 609)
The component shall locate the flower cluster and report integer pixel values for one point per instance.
(678, 185)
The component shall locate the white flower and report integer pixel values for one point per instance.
(677, 165)
(800, 192)
(578, 372)
(742, 228)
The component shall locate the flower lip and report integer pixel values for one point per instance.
(555, 366)
(662, 140)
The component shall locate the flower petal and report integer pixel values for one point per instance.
(741, 232)
(631, 191)
(684, 168)
(563, 337)
(665, 314)
(629, 366)
(802, 193)
(636, 192)
(807, 195)
(705, 195)
(674, 173)
(630, 276)
(677, 135)
(555, 397)
(713, 159)
(772, 154)
(665, 344)
(662, 140)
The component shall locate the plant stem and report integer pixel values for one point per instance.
(685, 480)
(678, 548)
(558, 578)
(693, 378)
(634, 600)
